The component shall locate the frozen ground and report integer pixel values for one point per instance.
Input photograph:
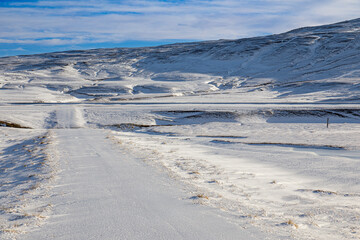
(222, 140)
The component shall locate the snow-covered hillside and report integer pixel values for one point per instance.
(310, 62)
(265, 129)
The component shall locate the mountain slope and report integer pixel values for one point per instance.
(307, 60)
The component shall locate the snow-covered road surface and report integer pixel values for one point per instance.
(104, 193)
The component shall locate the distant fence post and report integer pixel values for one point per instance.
(327, 122)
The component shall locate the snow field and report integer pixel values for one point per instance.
(297, 179)
(28, 167)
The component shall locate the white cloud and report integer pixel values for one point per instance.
(19, 49)
(76, 22)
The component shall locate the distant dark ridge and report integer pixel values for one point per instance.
(11, 125)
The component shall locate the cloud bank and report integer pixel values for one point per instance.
(68, 22)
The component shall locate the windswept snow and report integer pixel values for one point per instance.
(28, 168)
(212, 140)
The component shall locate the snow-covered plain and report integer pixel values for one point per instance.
(120, 143)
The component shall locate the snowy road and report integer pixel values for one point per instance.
(103, 193)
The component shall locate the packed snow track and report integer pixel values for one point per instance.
(105, 193)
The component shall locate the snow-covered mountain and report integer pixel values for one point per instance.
(312, 61)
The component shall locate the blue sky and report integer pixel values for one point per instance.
(32, 26)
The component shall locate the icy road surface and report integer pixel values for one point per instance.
(104, 193)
